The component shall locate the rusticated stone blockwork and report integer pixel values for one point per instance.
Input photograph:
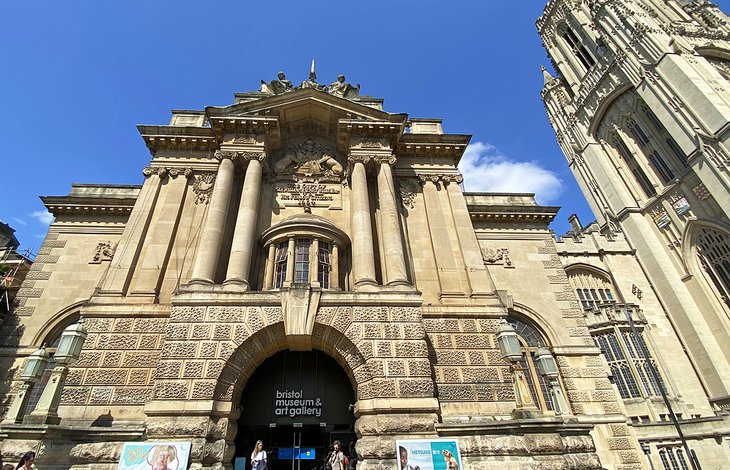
(466, 361)
(209, 351)
(118, 363)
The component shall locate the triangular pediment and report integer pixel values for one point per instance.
(302, 113)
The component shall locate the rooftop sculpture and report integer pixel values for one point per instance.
(281, 85)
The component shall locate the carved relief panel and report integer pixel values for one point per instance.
(308, 173)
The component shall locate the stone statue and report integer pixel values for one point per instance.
(277, 86)
(343, 89)
(312, 82)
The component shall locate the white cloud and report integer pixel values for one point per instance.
(19, 221)
(44, 217)
(485, 169)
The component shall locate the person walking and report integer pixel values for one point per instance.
(336, 459)
(258, 457)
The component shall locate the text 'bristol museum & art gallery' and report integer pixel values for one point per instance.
(301, 267)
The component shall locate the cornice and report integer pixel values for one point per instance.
(510, 214)
(227, 124)
(75, 205)
(433, 145)
(177, 138)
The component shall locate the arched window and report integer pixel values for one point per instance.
(576, 46)
(592, 290)
(607, 323)
(531, 339)
(713, 250)
(642, 144)
(304, 249)
(673, 458)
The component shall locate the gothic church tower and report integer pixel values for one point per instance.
(641, 108)
(640, 105)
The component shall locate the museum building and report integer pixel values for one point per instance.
(302, 266)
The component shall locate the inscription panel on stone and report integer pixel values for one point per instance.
(308, 195)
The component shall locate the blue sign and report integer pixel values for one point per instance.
(304, 453)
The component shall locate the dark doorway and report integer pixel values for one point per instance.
(297, 403)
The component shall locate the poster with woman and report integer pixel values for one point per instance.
(154, 456)
(428, 454)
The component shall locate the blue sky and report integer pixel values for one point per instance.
(79, 76)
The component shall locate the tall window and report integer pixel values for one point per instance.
(673, 458)
(303, 259)
(610, 330)
(634, 166)
(661, 167)
(713, 248)
(578, 49)
(305, 249)
(629, 369)
(280, 273)
(325, 265)
(301, 268)
(531, 339)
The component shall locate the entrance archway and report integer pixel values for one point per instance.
(297, 403)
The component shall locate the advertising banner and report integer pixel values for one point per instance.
(428, 454)
(154, 456)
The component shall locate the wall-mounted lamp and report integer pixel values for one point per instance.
(68, 352)
(547, 366)
(509, 347)
(32, 373)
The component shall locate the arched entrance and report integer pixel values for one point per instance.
(297, 403)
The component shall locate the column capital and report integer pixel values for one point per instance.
(244, 155)
(385, 159)
(444, 178)
(149, 171)
(173, 172)
(360, 158)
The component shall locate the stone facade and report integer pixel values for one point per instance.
(640, 108)
(307, 220)
(186, 287)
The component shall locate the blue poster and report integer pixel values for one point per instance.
(428, 454)
(154, 456)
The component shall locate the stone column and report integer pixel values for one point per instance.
(206, 259)
(290, 262)
(314, 263)
(269, 272)
(242, 246)
(363, 257)
(395, 263)
(335, 267)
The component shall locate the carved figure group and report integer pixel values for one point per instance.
(281, 85)
(308, 158)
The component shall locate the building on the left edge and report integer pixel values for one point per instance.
(302, 266)
(14, 267)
